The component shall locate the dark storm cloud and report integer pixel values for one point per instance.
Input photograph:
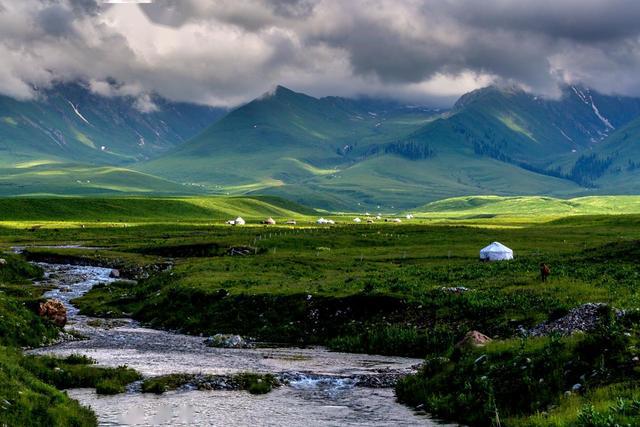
(56, 20)
(89, 7)
(227, 51)
(292, 8)
(578, 20)
(170, 12)
(522, 42)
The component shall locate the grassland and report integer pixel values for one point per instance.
(52, 210)
(529, 206)
(382, 288)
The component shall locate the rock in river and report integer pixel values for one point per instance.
(227, 341)
(54, 311)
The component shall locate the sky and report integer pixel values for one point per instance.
(226, 52)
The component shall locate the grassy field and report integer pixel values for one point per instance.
(381, 288)
(145, 209)
(529, 206)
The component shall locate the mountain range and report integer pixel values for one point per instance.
(333, 153)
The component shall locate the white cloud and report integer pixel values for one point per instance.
(228, 51)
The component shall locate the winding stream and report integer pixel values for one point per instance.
(322, 394)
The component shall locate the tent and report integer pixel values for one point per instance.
(269, 221)
(325, 221)
(496, 252)
(239, 221)
(356, 219)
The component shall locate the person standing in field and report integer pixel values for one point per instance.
(544, 271)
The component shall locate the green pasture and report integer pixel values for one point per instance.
(377, 287)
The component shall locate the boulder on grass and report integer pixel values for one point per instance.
(473, 339)
(54, 311)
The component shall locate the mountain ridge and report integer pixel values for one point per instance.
(338, 153)
(69, 122)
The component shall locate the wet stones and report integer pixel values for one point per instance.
(228, 341)
(54, 311)
(378, 380)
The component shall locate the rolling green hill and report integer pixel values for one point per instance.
(147, 209)
(534, 205)
(49, 178)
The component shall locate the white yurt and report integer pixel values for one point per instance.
(239, 221)
(496, 252)
(356, 219)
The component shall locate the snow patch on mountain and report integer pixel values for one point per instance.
(75, 109)
(600, 116)
(565, 135)
(580, 95)
(587, 98)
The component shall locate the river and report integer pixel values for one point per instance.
(323, 391)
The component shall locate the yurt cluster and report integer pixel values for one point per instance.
(496, 251)
(369, 219)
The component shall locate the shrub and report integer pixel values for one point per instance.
(110, 386)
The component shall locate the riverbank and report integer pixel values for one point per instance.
(30, 386)
(170, 361)
(405, 293)
(395, 289)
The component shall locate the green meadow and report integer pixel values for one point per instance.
(377, 287)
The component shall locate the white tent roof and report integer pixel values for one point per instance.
(496, 251)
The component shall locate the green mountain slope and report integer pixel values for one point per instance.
(514, 126)
(616, 161)
(68, 122)
(391, 182)
(283, 137)
(331, 153)
(341, 154)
